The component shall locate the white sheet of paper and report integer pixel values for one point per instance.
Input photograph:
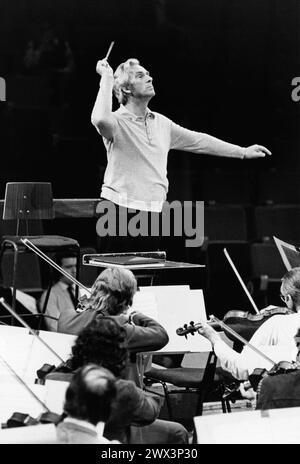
(55, 392)
(278, 426)
(146, 303)
(35, 434)
(26, 354)
(178, 305)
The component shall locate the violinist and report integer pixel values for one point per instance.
(275, 337)
(62, 293)
(112, 295)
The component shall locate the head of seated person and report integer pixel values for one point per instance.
(113, 291)
(90, 394)
(290, 289)
(68, 262)
(102, 342)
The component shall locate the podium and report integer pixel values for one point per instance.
(148, 264)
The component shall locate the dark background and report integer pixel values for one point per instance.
(219, 66)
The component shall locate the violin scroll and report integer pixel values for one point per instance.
(188, 329)
(82, 304)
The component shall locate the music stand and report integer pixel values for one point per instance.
(151, 261)
(290, 254)
(26, 201)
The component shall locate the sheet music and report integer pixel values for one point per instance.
(176, 306)
(26, 354)
(289, 253)
(278, 426)
(146, 303)
(15, 398)
(55, 392)
(34, 434)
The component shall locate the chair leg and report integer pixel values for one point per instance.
(167, 398)
(227, 402)
(14, 282)
(201, 398)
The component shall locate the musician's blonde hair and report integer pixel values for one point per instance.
(122, 77)
(113, 291)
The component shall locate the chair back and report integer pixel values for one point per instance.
(28, 200)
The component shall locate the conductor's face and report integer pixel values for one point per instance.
(141, 83)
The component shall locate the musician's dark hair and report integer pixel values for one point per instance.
(112, 291)
(291, 285)
(103, 341)
(58, 258)
(90, 394)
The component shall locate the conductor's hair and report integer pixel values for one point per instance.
(122, 77)
(90, 394)
(291, 285)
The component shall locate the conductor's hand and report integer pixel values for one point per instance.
(256, 151)
(103, 68)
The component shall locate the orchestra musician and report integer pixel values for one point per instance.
(87, 407)
(62, 293)
(112, 295)
(134, 412)
(275, 337)
(138, 140)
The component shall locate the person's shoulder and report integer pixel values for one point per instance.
(125, 383)
(160, 117)
(127, 390)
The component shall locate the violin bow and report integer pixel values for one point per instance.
(24, 384)
(242, 339)
(52, 263)
(240, 280)
(17, 316)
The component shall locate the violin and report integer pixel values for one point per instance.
(246, 323)
(283, 367)
(243, 322)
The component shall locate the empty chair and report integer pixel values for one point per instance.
(267, 269)
(280, 220)
(277, 186)
(224, 186)
(226, 222)
(223, 290)
(202, 381)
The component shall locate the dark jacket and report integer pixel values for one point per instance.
(132, 406)
(143, 333)
(279, 391)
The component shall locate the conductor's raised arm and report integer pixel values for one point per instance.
(102, 117)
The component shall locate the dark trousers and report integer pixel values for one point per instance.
(123, 230)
